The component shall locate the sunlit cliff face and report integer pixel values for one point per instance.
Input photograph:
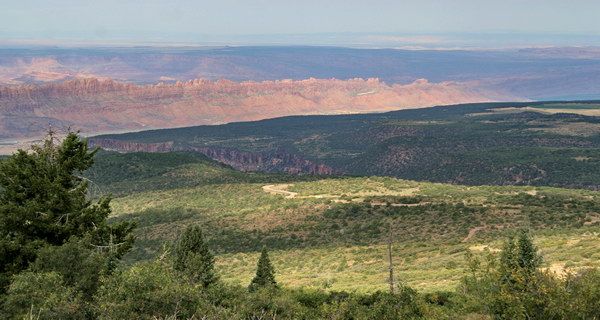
(94, 105)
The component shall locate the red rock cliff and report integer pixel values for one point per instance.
(94, 106)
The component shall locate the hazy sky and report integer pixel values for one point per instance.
(246, 20)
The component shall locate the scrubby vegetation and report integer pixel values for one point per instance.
(472, 144)
(337, 226)
(124, 174)
(236, 250)
(512, 286)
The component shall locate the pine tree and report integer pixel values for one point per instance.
(528, 259)
(193, 258)
(44, 202)
(508, 260)
(519, 258)
(518, 286)
(265, 273)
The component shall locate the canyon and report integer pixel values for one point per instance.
(469, 144)
(95, 106)
(274, 161)
(100, 90)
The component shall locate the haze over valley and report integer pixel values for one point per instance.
(94, 105)
(117, 89)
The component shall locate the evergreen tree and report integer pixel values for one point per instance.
(529, 260)
(508, 260)
(44, 202)
(265, 273)
(520, 257)
(516, 288)
(193, 258)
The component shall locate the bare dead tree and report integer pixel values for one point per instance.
(390, 257)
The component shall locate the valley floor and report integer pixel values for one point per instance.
(332, 233)
(427, 267)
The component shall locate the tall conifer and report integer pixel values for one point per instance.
(44, 202)
(193, 257)
(265, 273)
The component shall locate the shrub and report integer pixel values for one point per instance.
(42, 296)
(145, 291)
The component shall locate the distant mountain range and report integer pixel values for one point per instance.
(165, 87)
(153, 64)
(531, 73)
(95, 106)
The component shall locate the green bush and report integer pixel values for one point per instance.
(42, 296)
(79, 266)
(145, 291)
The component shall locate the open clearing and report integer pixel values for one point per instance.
(280, 189)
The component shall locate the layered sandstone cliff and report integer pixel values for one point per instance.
(94, 105)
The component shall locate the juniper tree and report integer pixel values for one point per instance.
(193, 258)
(522, 288)
(519, 259)
(44, 202)
(515, 288)
(265, 273)
(529, 259)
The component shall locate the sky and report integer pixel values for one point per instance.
(390, 22)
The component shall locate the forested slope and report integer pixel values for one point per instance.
(475, 144)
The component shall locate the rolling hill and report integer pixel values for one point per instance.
(331, 232)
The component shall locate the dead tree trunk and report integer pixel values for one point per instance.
(390, 259)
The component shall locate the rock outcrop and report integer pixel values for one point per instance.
(275, 161)
(96, 106)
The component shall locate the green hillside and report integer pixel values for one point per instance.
(325, 243)
(126, 173)
(330, 232)
(534, 143)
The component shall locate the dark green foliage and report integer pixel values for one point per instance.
(127, 173)
(519, 262)
(43, 202)
(43, 295)
(151, 290)
(529, 259)
(145, 291)
(580, 296)
(79, 266)
(193, 258)
(265, 273)
(403, 304)
(514, 287)
(520, 282)
(112, 167)
(470, 144)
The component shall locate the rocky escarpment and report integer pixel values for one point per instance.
(96, 106)
(274, 161)
(127, 146)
